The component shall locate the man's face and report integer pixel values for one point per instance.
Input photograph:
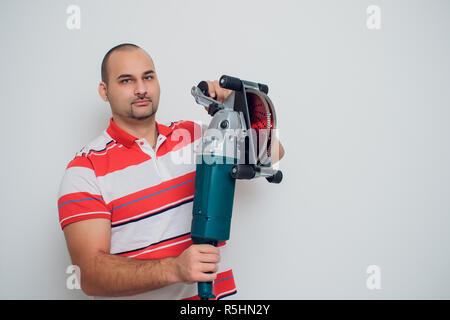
(133, 88)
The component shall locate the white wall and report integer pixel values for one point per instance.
(363, 115)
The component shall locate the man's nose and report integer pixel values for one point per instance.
(140, 88)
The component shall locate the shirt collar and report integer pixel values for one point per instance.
(163, 130)
(127, 139)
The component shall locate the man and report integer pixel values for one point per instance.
(125, 207)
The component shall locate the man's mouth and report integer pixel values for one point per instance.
(143, 102)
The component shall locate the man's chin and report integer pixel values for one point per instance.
(143, 116)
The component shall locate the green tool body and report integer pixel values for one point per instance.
(229, 151)
(213, 206)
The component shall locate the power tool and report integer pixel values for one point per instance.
(236, 145)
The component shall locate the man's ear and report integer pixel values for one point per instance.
(102, 91)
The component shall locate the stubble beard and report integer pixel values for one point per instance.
(150, 114)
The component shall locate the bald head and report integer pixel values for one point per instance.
(120, 47)
(128, 76)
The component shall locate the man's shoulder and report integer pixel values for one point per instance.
(182, 124)
(99, 144)
(189, 125)
(182, 127)
(96, 146)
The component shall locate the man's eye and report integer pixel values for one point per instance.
(125, 80)
(148, 77)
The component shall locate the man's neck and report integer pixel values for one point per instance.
(145, 128)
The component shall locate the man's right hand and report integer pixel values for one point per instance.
(110, 275)
(198, 263)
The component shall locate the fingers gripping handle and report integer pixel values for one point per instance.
(236, 84)
(205, 289)
(201, 95)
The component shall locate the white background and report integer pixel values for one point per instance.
(363, 116)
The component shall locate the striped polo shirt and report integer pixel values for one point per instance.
(146, 193)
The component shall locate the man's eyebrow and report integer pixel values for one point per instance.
(148, 72)
(126, 75)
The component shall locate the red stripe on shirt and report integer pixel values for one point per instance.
(183, 133)
(151, 199)
(82, 217)
(117, 158)
(81, 206)
(170, 248)
(80, 161)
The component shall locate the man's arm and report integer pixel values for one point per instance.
(104, 274)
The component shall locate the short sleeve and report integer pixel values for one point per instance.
(79, 196)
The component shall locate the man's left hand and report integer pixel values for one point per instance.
(217, 92)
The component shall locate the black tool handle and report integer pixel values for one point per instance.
(276, 178)
(231, 83)
(203, 86)
(243, 171)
